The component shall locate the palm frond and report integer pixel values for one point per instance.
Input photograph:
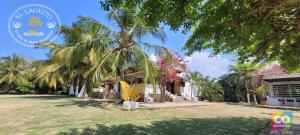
(12, 69)
(146, 66)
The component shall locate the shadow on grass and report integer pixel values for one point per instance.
(85, 103)
(294, 108)
(70, 102)
(203, 126)
(43, 97)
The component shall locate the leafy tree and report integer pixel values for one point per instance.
(234, 87)
(212, 91)
(245, 67)
(208, 88)
(247, 78)
(259, 30)
(170, 64)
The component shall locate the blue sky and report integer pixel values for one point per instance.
(69, 10)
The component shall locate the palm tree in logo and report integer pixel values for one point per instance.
(34, 21)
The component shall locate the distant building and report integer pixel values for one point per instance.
(283, 88)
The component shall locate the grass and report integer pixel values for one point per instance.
(46, 114)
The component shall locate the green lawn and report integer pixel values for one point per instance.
(46, 114)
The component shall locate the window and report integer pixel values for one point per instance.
(287, 90)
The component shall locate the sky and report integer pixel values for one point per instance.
(68, 10)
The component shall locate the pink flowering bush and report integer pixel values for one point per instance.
(172, 64)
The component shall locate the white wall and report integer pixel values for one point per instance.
(189, 90)
(149, 89)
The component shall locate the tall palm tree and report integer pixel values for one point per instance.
(99, 52)
(127, 47)
(50, 75)
(13, 70)
(78, 53)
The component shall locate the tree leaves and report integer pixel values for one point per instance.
(261, 30)
(13, 70)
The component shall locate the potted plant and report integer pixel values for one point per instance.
(260, 92)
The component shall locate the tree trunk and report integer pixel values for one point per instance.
(162, 93)
(254, 97)
(77, 86)
(105, 91)
(191, 91)
(82, 91)
(71, 91)
(248, 97)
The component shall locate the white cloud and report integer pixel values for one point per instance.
(209, 66)
(153, 57)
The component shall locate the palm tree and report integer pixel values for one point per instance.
(244, 70)
(13, 70)
(208, 88)
(127, 49)
(74, 58)
(195, 79)
(93, 51)
(50, 75)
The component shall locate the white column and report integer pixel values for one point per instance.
(71, 91)
(271, 91)
(81, 94)
(255, 101)
(248, 98)
(76, 91)
(116, 87)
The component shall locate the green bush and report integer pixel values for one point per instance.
(212, 92)
(62, 90)
(209, 89)
(234, 88)
(27, 87)
(261, 91)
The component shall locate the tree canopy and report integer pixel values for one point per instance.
(255, 30)
(93, 52)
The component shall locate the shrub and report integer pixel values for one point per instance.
(260, 92)
(234, 88)
(26, 87)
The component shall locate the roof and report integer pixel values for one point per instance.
(282, 76)
(274, 69)
(135, 75)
